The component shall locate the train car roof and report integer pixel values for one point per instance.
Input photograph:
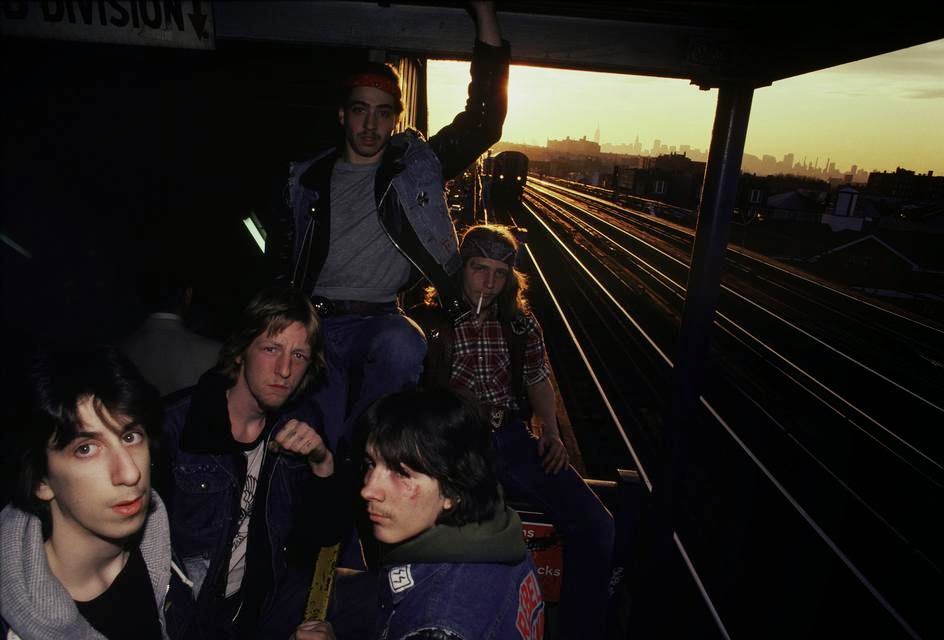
(710, 43)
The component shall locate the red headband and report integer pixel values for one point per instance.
(376, 81)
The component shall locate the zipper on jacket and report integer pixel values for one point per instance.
(304, 250)
(390, 237)
(268, 521)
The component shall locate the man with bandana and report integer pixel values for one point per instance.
(370, 219)
(497, 354)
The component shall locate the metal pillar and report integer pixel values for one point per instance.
(711, 238)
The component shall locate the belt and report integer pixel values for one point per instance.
(328, 307)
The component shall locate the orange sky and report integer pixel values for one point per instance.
(879, 113)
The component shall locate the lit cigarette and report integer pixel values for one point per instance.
(478, 308)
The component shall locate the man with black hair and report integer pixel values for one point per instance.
(455, 566)
(498, 355)
(253, 493)
(370, 218)
(85, 546)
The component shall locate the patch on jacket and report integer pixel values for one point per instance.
(401, 579)
(530, 619)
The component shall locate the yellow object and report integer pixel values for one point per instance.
(322, 583)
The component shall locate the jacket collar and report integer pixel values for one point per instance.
(497, 539)
(207, 428)
(318, 175)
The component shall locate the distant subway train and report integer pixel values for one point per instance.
(509, 174)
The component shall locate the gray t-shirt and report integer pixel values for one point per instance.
(362, 263)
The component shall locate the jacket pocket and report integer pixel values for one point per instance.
(201, 505)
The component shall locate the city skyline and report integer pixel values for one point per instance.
(878, 114)
(763, 164)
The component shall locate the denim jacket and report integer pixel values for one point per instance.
(468, 601)
(408, 187)
(207, 473)
(475, 582)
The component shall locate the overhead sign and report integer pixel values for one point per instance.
(163, 23)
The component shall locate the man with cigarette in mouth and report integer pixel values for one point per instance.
(498, 355)
(85, 548)
(253, 493)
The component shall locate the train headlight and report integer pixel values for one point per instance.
(501, 176)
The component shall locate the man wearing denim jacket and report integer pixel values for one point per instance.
(455, 565)
(252, 493)
(370, 218)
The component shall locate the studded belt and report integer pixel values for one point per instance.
(328, 307)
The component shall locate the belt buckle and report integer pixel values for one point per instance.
(497, 417)
(324, 307)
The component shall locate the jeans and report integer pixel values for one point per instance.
(579, 518)
(366, 358)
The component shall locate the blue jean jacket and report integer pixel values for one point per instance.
(474, 601)
(203, 497)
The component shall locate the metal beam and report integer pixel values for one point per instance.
(447, 32)
(723, 44)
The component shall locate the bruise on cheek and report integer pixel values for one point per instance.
(413, 489)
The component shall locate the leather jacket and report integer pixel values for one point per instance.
(408, 188)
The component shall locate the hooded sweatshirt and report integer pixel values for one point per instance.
(35, 605)
(475, 582)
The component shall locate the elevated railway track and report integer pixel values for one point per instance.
(814, 435)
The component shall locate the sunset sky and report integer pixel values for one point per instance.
(878, 113)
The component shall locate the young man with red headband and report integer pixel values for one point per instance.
(370, 219)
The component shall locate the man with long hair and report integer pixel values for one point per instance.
(498, 355)
(253, 493)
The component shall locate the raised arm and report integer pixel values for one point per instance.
(486, 23)
(479, 126)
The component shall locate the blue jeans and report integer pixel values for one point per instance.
(579, 518)
(366, 358)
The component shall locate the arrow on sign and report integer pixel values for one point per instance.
(198, 20)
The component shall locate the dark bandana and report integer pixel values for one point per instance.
(496, 250)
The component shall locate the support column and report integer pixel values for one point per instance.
(711, 241)
(704, 283)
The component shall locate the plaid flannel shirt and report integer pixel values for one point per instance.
(481, 362)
